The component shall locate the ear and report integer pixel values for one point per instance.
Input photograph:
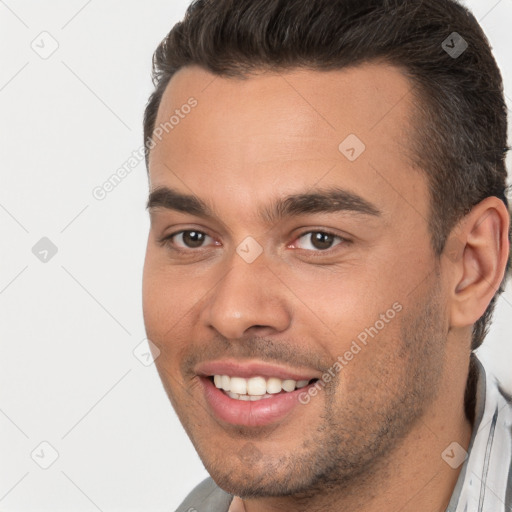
(477, 251)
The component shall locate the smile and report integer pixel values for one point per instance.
(255, 388)
(253, 393)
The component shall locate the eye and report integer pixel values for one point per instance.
(188, 239)
(317, 241)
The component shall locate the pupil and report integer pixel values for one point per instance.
(322, 240)
(193, 238)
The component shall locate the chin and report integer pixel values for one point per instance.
(241, 476)
(254, 485)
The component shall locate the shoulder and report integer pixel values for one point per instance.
(485, 478)
(206, 497)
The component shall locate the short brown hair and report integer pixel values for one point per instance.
(460, 140)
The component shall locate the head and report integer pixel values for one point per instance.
(364, 159)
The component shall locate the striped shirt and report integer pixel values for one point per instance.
(485, 478)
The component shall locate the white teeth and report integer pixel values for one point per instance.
(255, 388)
(238, 385)
(274, 385)
(225, 380)
(289, 385)
(252, 398)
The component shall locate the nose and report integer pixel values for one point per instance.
(248, 299)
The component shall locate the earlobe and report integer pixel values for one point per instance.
(478, 271)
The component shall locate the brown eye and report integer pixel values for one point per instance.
(318, 240)
(190, 239)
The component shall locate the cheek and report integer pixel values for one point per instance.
(153, 301)
(164, 297)
(343, 303)
(159, 301)
(168, 300)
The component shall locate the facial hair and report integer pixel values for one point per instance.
(364, 418)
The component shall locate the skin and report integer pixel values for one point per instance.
(372, 438)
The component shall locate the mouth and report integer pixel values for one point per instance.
(256, 388)
(252, 394)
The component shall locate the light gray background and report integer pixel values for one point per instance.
(69, 326)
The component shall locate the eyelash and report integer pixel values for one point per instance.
(166, 241)
(317, 253)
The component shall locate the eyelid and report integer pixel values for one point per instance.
(166, 240)
(343, 241)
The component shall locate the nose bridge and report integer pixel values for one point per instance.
(248, 296)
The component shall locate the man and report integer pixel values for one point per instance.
(329, 233)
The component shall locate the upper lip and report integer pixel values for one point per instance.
(250, 369)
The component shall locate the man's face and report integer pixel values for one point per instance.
(308, 255)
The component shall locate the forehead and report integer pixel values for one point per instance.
(279, 133)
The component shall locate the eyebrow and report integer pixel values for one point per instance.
(328, 200)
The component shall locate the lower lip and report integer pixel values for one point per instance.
(248, 413)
